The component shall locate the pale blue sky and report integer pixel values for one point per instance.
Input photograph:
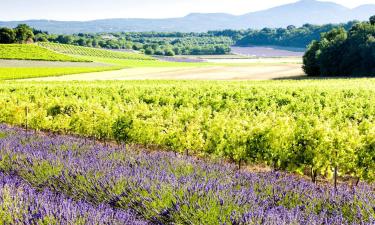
(100, 9)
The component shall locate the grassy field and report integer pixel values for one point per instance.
(12, 63)
(93, 52)
(24, 73)
(33, 52)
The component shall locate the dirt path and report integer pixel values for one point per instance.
(220, 72)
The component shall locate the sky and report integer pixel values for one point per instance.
(101, 9)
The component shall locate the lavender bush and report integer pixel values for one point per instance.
(165, 188)
(22, 204)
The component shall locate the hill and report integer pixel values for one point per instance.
(33, 52)
(93, 52)
(299, 13)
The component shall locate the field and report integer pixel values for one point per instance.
(268, 51)
(32, 72)
(299, 126)
(94, 52)
(84, 142)
(33, 52)
(133, 66)
(99, 184)
(155, 70)
(15, 61)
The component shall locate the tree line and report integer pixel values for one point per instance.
(343, 53)
(178, 43)
(290, 36)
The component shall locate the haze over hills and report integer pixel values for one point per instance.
(299, 13)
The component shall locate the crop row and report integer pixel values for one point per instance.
(164, 188)
(21, 203)
(94, 52)
(33, 52)
(322, 129)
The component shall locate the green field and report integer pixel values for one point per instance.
(33, 52)
(113, 60)
(297, 126)
(93, 52)
(24, 73)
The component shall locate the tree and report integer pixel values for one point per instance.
(372, 20)
(149, 51)
(310, 62)
(342, 53)
(291, 27)
(7, 36)
(169, 52)
(41, 37)
(159, 52)
(24, 33)
(64, 39)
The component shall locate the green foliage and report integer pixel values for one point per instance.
(310, 59)
(33, 52)
(342, 53)
(121, 128)
(291, 36)
(7, 36)
(372, 20)
(24, 33)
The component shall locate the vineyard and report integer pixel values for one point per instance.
(93, 52)
(323, 129)
(33, 52)
(52, 179)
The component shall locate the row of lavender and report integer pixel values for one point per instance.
(22, 204)
(166, 189)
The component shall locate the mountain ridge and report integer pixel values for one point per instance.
(298, 13)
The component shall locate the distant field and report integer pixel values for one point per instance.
(13, 63)
(133, 63)
(33, 52)
(268, 51)
(93, 52)
(23, 73)
(211, 72)
(133, 66)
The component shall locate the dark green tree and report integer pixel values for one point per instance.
(24, 33)
(372, 20)
(169, 52)
(7, 36)
(65, 39)
(310, 62)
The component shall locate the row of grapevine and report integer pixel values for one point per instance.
(320, 128)
(94, 52)
(33, 52)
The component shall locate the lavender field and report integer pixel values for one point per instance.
(52, 179)
(268, 52)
